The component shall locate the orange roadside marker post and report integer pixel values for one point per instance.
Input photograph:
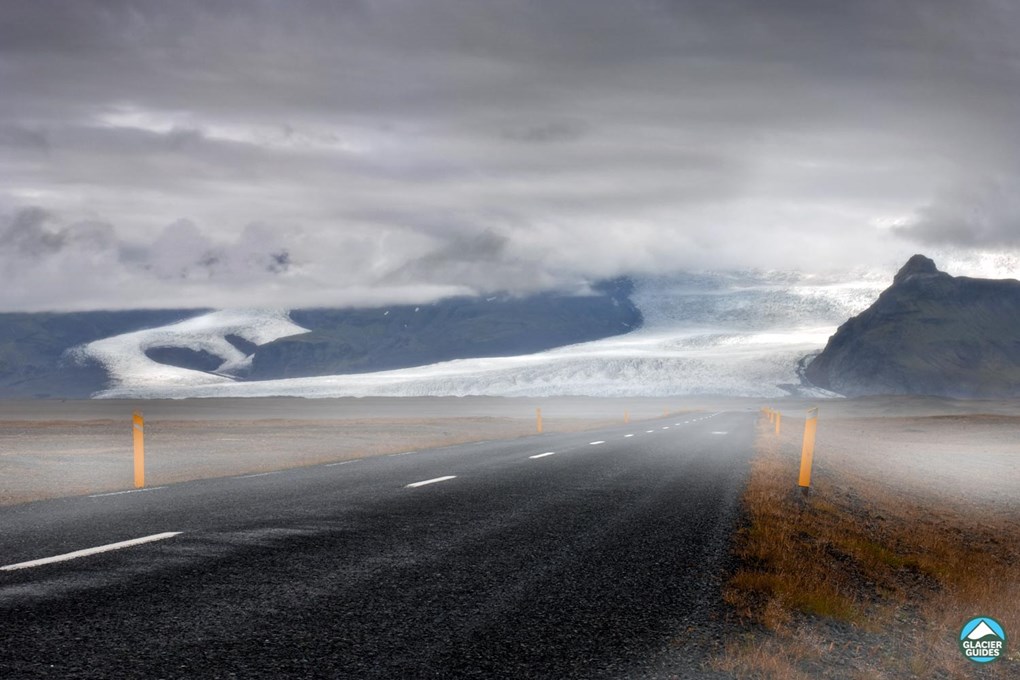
(138, 429)
(807, 452)
(538, 420)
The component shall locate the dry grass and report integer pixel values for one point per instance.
(860, 579)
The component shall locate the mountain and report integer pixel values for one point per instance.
(33, 349)
(77, 355)
(344, 341)
(726, 333)
(741, 333)
(929, 333)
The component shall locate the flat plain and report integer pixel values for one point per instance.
(51, 449)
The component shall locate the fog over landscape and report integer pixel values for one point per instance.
(566, 339)
(315, 153)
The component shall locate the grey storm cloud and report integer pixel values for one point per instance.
(180, 250)
(975, 214)
(309, 152)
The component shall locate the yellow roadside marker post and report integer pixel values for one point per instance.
(538, 420)
(626, 416)
(807, 453)
(138, 429)
(779, 420)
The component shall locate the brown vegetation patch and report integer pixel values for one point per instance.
(863, 580)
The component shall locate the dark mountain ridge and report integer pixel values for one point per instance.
(929, 333)
(35, 360)
(366, 340)
(33, 346)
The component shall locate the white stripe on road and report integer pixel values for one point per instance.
(627, 435)
(601, 441)
(666, 427)
(543, 455)
(649, 431)
(343, 462)
(430, 481)
(258, 474)
(90, 551)
(720, 433)
(118, 493)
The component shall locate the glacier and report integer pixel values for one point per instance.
(123, 356)
(719, 333)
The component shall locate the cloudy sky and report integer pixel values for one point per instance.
(301, 152)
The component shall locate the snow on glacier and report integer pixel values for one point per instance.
(131, 370)
(720, 333)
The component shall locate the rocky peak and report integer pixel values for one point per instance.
(918, 264)
(929, 333)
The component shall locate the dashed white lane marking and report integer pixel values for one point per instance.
(627, 435)
(720, 433)
(343, 462)
(90, 551)
(258, 474)
(430, 481)
(118, 493)
(596, 443)
(649, 431)
(543, 455)
(665, 427)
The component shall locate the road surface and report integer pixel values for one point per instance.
(586, 555)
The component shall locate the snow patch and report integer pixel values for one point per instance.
(123, 356)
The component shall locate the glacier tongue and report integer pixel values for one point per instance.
(134, 373)
(720, 333)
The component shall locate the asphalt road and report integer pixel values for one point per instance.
(598, 560)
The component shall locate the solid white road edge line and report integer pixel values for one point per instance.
(430, 481)
(543, 455)
(118, 493)
(343, 462)
(258, 474)
(91, 551)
